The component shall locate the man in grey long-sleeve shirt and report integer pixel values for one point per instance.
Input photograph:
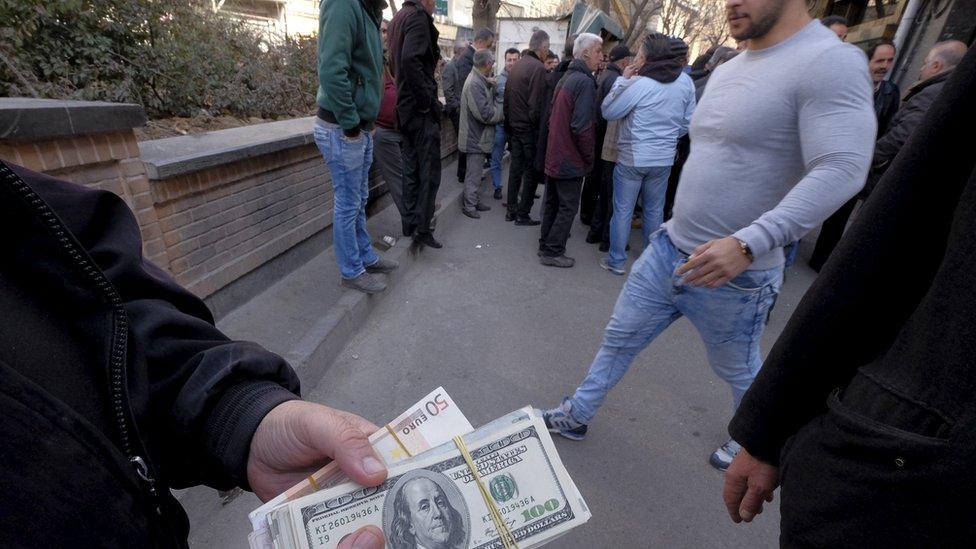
(780, 141)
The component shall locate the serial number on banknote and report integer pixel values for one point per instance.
(322, 530)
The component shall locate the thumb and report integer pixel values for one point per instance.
(345, 437)
(368, 537)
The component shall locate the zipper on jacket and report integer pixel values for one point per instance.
(120, 326)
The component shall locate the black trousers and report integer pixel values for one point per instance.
(878, 470)
(590, 197)
(562, 201)
(600, 222)
(830, 233)
(684, 149)
(421, 170)
(462, 160)
(523, 179)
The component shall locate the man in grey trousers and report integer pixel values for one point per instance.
(480, 113)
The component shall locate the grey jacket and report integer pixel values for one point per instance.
(449, 81)
(479, 115)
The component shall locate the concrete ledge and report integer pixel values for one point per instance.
(174, 156)
(35, 119)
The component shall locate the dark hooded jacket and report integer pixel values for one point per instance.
(413, 57)
(572, 124)
(115, 385)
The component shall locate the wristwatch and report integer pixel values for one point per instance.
(745, 249)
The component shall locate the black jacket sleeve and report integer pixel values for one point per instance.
(416, 40)
(874, 280)
(902, 125)
(197, 395)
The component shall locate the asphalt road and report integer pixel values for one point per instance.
(484, 319)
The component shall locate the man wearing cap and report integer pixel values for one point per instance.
(350, 64)
(602, 174)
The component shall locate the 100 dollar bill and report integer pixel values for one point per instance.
(434, 502)
(432, 421)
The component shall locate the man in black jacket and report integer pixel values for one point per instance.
(881, 57)
(865, 409)
(413, 57)
(452, 85)
(601, 178)
(115, 386)
(524, 92)
(899, 124)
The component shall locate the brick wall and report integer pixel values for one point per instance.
(207, 226)
(108, 161)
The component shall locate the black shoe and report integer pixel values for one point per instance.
(408, 230)
(482, 207)
(558, 261)
(498, 194)
(585, 220)
(539, 253)
(509, 216)
(428, 240)
(604, 246)
(471, 214)
(593, 238)
(527, 222)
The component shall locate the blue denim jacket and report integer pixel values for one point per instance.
(654, 116)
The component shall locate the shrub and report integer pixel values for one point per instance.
(174, 57)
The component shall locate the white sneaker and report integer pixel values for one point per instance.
(722, 458)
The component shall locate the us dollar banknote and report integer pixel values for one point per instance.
(434, 502)
(432, 421)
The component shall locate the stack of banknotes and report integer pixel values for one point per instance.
(522, 495)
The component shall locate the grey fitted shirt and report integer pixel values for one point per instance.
(781, 139)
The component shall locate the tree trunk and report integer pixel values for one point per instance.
(485, 14)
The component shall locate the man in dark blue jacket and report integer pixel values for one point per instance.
(571, 148)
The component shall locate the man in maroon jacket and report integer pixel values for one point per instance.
(570, 148)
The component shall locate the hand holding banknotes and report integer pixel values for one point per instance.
(297, 438)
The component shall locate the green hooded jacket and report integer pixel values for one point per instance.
(350, 61)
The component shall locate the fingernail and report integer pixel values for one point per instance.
(366, 540)
(372, 465)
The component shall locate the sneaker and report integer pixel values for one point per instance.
(605, 263)
(482, 207)
(470, 213)
(383, 266)
(365, 283)
(558, 420)
(509, 216)
(560, 261)
(428, 240)
(722, 458)
(527, 222)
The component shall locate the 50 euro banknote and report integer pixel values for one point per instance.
(434, 500)
(432, 421)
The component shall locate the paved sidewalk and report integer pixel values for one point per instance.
(484, 319)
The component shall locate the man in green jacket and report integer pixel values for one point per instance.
(350, 62)
(479, 115)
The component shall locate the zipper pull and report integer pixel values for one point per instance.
(143, 471)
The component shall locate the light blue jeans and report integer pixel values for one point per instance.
(348, 161)
(652, 184)
(729, 319)
(497, 152)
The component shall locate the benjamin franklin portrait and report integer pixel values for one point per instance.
(425, 510)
